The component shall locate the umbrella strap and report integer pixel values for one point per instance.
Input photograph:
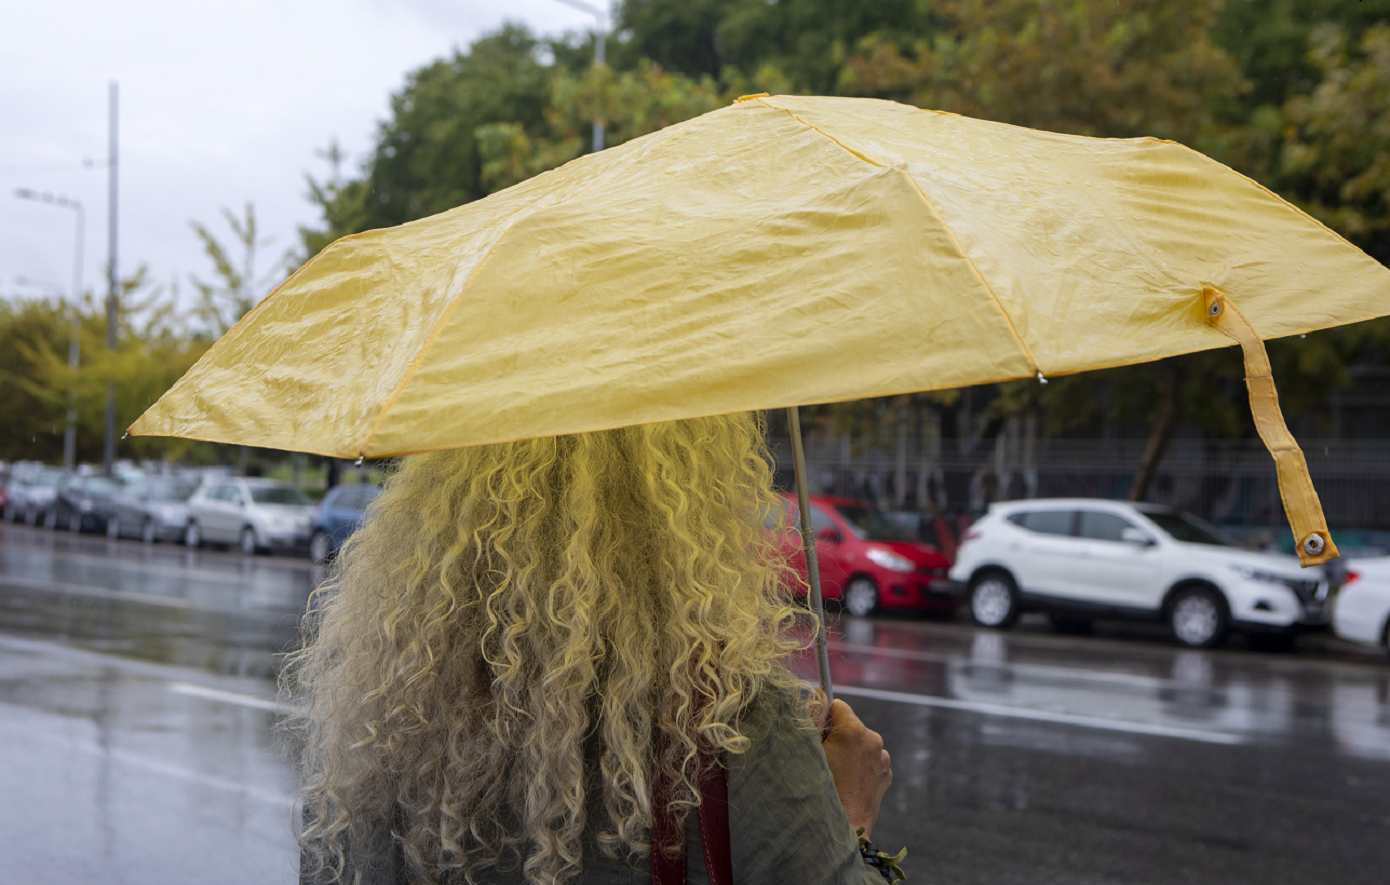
(668, 840)
(1313, 542)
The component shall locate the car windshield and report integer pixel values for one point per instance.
(168, 491)
(49, 478)
(871, 525)
(279, 495)
(1186, 527)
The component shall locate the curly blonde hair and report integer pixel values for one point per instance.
(506, 607)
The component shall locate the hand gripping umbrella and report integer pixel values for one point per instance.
(779, 252)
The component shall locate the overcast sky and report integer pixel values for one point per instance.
(220, 103)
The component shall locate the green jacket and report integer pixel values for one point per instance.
(787, 826)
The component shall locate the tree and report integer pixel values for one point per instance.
(236, 287)
(1121, 69)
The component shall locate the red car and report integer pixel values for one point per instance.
(867, 561)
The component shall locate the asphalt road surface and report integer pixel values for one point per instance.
(137, 745)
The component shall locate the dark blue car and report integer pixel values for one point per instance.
(339, 516)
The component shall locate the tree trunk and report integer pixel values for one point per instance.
(1161, 432)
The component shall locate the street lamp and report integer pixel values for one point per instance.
(70, 432)
(600, 39)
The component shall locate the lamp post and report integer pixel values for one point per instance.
(70, 431)
(600, 39)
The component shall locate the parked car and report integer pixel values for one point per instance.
(82, 503)
(255, 514)
(30, 494)
(868, 561)
(1080, 559)
(152, 509)
(1362, 610)
(339, 515)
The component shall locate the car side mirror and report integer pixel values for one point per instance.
(828, 534)
(1136, 537)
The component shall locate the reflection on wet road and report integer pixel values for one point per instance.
(137, 701)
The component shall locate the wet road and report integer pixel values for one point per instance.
(136, 714)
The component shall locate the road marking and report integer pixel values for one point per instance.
(229, 697)
(1034, 669)
(901, 697)
(94, 592)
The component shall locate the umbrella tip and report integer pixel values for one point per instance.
(1042, 379)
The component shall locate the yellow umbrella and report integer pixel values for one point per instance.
(777, 252)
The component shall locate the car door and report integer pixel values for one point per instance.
(221, 516)
(1114, 570)
(1045, 559)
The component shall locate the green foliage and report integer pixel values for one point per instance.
(1270, 41)
(1117, 69)
(236, 287)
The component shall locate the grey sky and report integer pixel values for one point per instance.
(221, 103)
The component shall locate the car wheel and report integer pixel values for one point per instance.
(861, 597)
(1197, 617)
(147, 531)
(192, 535)
(113, 528)
(248, 541)
(318, 548)
(994, 600)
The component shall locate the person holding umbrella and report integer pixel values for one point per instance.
(562, 660)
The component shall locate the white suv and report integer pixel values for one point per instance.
(1080, 559)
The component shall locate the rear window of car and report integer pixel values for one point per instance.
(1045, 522)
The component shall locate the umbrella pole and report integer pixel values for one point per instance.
(808, 547)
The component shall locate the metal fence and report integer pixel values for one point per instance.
(1230, 482)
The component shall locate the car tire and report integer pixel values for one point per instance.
(113, 528)
(1197, 617)
(248, 541)
(319, 551)
(147, 533)
(861, 596)
(994, 599)
(192, 535)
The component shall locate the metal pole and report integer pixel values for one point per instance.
(70, 431)
(808, 546)
(112, 287)
(600, 39)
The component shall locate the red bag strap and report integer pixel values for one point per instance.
(714, 823)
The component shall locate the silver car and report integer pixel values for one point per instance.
(31, 496)
(257, 515)
(152, 509)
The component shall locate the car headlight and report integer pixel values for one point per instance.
(889, 560)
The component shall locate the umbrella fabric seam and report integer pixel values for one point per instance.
(1027, 354)
(942, 221)
(454, 303)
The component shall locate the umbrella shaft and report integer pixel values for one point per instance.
(808, 546)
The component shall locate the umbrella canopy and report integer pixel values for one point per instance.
(780, 251)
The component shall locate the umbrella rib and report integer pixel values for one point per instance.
(1027, 354)
(960, 250)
